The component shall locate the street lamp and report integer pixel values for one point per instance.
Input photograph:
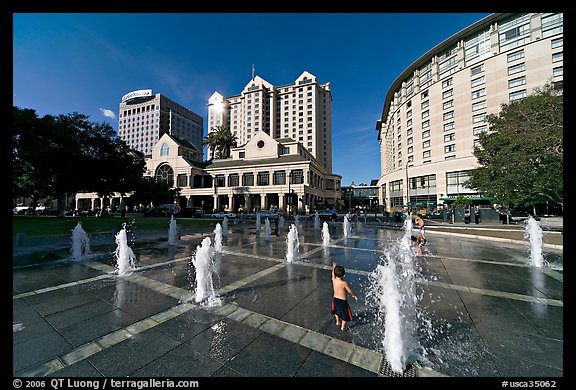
(407, 185)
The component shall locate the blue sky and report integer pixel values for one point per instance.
(85, 62)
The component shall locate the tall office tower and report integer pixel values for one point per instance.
(301, 111)
(144, 118)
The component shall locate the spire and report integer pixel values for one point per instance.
(252, 71)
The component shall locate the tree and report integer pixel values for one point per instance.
(220, 141)
(520, 157)
(66, 154)
(211, 141)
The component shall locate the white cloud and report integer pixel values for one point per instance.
(108, 113)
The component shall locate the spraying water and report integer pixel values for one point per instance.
(280, 222)
(218, 238)
(316, 221)
(204, 265)
(292, 244)
(346, 227)
(392, 291)
(225, 227)
(124, 254)
(297, 222)
(267, 229)
(80, 242)
(172, 232)
(533, 232)
(257, 223)
(325, 234)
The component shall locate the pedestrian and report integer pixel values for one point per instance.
(340, 307)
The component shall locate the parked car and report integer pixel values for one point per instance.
(222, 214)
(330, 215)
(20, 210)
(157, 212)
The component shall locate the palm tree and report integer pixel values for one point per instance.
(211, 141)
(226, 141)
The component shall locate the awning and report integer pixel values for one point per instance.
(423, 204)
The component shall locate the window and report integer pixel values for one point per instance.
(285, 150)
(424, 94)
(515, 56)
(558, 42)
(164, 150)
(447, 93)
(478, 93)
(233, 180)
(552, 24)
(516, 82)
(448, 115)
(425, 124)
(220, 181)
(516, 68)
(556, 57)
(477, 81)
(242, 154)
(409, 141)
(182, 180)
(447, 82)
(476, 70)
(449, 148)
(165, 174)
(426, 144)
(263, 178)
(426, 134)
(479, 129)
(449, 137)
(426, 154)
(425, 114)
(448, 126)
(248, 179)
(448, 104)
(279, 177)
(425, 104)
(517, 95)
(559, 71)
(479, 105)
(479, 117)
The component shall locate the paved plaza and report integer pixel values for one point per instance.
(482, 309)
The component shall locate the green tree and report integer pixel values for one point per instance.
(211, 141)
(220, 141)
(520, 157)
(61, 155)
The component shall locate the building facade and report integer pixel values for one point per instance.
(144, 117)
(301, 111)
(436, 108)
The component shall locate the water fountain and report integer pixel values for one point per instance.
(124, 255)
(346, 227)
(392, 291)
(218, 238)
(80, 242)
(257, 223)
(533, 232)
(267, 229)
(225, 227)
(204, 265)
(172, 231)
(280, 222)
(325, 234)
(297, 222)
(292, 244)
(316, 221)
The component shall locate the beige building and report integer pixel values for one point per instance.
(436, 108)
(301, 111)
(143, 118)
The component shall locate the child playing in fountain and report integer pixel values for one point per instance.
(419, 241)
(340, 307)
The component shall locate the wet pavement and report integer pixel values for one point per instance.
(482, 309)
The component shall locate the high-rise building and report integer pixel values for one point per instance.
(144, 117)
(301, 111)
(435, 109)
